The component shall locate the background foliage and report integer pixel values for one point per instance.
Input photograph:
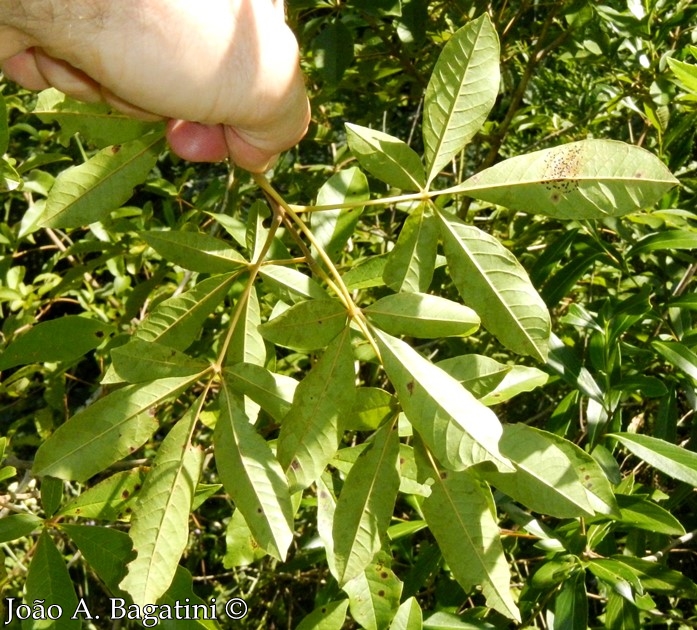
(150, 286)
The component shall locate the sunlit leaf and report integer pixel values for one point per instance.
(311, 431)
(589, 179)
(182, 591)
(408, 617)
(252, 476)
(679, 355)
(670, 240)
(639, 512)
(670, 459)
(160, 520)
(138, 361)
(365, 504)
(492, 281)
(388, 158)
(16, 526)
(240, 547)
(290, 284)
(246, 342)
(459, 513)
(422, 315)
(463, 88)
(456, 427)
(64, 339)
(329, 616)
(272, 392)
(89, 192)
(106, 431)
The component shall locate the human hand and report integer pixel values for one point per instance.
(224, 73)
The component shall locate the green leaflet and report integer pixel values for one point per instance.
(422, 315)
(240, 547)
(64, 339)
(643, 514)
(252, 476)
(106, 550)
(290, 284)
(97, 122)
(48, 580)
(333, 228)
(365, 504)
(307, 326)
(177, 321)
(17, 526)
(408, 617)
(491, 280)
(679, 355)
(670, 459)
(51, 495)
(247, 344)
(160, 520)
(326, 508)
(110, 499)
(329, 616)
(411, 263)
(106, 431)
(311, 431)
(194, 251)
(272, 392)
(668, 239)
(456, 427)
(459, 514)
(374, 594)
(388, 158)
(138, 361)
(590, 179)
(461, 92)
(333, 51)
(182, 592)
(571, 604)
(89, 192)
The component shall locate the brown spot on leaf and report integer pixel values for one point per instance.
(125, 494)
(115, 149)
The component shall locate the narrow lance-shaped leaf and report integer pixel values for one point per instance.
(422, 315)
(247, 344)
(494, 283)
(64, 339)
(17, 526)
(459, 514)
(462, 90)
(365, 504)
(106, 431)
(388, 158)
(48, 580)
(571, 604)
(194, 251)
(290, 284)
(333, 228)
(329, 616)
(408, 617)
(673, 460)
(589, 179)
(272, 392)
(252, 476)
(456, 427)
(160, 520)
(679, 355)
(411, 263)
(311, 432)
(89, 192)
(138, 361)
(109, 499)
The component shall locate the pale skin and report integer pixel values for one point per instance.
(223, 73)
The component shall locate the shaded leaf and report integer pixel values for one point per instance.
(462, 90)
(478, 374)
(639, 512)
(590, 179)
(372, 406)
(16, 526)
(422, 315)
(252, 476)
(388, 158)
(240, 547)
(106, 431)
(492, 281)
(571, 604)
(679, 355)
(182, 590)
(459, 513)
(194, 251)
(306, 326)
(668, 240)
(365, 504)
(329, 616)
(64, 339)
(657, 577)
(312, 429)
(87, 193)
(456, 427)
(333, 51)
(160, 520)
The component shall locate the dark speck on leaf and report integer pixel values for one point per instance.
(99, 334)
(125, 494)
(116, 148)
(381, 593)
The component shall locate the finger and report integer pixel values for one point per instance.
(21, 68)
(126, 108)
(66, 78)
(246, 155)
(196, 142)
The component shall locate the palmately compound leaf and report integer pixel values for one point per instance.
(462, 90)
(106, 431)
(160, 519)
(194, 251)
(365, 504)
(457, 428)
(422, 315)
(333, 228)
(411, 263)
(589, 179)
(48, 580)
(87, 193)
(311, 432)
(252, 476)
(459, 513)
(492, 281)
(307, 326)
(388, 158)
